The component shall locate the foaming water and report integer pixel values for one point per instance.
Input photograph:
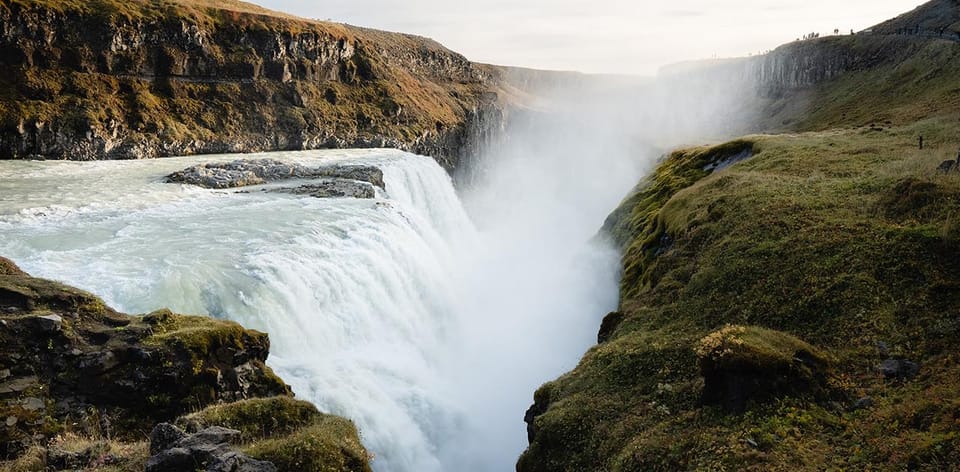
(394, 312)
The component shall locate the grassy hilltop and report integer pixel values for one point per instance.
(759, 301)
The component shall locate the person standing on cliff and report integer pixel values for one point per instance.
(921, 142)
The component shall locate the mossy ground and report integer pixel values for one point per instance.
(846, 238)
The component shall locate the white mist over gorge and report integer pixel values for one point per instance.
(426, 320)
(396, 312)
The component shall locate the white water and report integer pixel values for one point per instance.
(393, 312)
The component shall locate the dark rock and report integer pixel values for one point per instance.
(363, 173)
(339, 180)
(608, 326)
(18, 385)
(49, 323)
(863, 404)
(239, 173)
(33, 404)
(214, 435)
(742, 365)
(333, 188)
(172, 460)
(164, 436)
(172, 450)
(899, 369)
(58, 459)
(541, 402)
(237, 462)
(947, 166)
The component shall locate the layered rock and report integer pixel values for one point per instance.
(66, 358)
(141, 80)
(243, 173)
(80, 384)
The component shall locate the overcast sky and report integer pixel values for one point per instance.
(613, 36)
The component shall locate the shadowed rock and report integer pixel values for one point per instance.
(208, 450)
(899, 369)
(64, 353)
(743, 365)
(332, 188)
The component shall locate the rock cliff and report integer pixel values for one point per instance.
(116, 80)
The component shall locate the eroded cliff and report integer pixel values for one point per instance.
(114, 80)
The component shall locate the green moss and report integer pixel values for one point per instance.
(330, 444)
(256, 418)
(735, 346)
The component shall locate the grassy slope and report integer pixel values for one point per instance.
(842, 235)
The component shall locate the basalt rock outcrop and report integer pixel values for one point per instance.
(81, 385)
(208, 450)
(70, 363)
(117, 80)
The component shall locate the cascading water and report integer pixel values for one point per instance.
(393, 312)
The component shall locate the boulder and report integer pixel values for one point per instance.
(744, 365)
(209, 450)
(49, 323)
(243, 173)
(899, 369)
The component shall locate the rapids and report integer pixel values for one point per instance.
(397, 312)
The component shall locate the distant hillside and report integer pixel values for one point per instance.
(935, 17)
(110, 79)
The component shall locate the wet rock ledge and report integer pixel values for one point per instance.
(351, 181)
(82, 385)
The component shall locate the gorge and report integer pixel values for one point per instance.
(440, 241)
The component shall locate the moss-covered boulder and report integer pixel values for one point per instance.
(69, 362)
(743, 364)
(292, 434)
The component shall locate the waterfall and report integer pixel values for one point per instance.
(394, 312)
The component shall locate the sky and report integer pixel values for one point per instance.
(603, 36)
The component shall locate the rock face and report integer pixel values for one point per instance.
(243, 173)
(67, 359)
(139, 80)
(333, 188)
(209, 450)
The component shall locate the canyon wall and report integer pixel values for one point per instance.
(142, 80)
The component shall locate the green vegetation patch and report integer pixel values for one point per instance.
(329, 444)
(839, 242)
(256, 418)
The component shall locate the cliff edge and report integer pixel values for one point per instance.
(117, 80)
(788, 301)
